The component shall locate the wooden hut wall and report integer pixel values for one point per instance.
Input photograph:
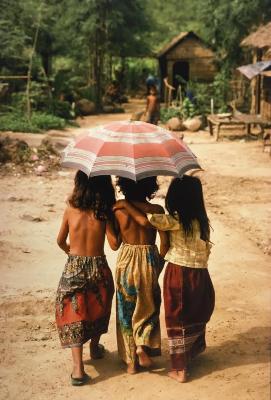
(266, 90)
(200, 59)
(266, 98)
(261, 88)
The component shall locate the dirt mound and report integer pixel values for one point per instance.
(17, 156)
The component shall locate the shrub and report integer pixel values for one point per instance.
(222, 91)
(167, 113)
(61, 109)
(188, 109)
(47, 121)
(86, 92)
(18, 122)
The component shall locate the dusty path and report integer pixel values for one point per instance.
(236, 363)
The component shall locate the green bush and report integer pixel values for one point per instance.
(47, 121)
(188, 109)
(202, 92)
(18, 122)
(86, 92)
(61, 109)
(221, 86)
(167, 113)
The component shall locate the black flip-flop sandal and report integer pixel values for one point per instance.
(80, 381)
(99, 353)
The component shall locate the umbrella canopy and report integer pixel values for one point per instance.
(130, 149)
(252, 70)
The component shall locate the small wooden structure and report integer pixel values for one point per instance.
(244, 120)
(187, 56)
(259, 42)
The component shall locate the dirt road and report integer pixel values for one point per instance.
(236, 364)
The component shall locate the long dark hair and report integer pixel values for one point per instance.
(185, 197)
(140, 190)
(94, 193)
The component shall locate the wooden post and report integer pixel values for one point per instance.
(210, 127)
(212, 105)
(168, 93)
(29, 71)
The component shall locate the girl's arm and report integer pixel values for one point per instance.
(113, 234)
(134, 212)
(63, 233)
(142, 220)
(164, 243)
(147, 105)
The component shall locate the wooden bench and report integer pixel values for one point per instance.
(245, 120)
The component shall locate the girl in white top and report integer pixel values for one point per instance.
(188, 291)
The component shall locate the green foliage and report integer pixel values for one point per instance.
(225, 23)
(82, 44)
(221, 91)
(202, 92)
(17, 122)
(136, 73)
(61, 109)
(188, 109)
(12, 34)
(45, 121)
(42, 101)
(167, 113)
(169, 18)
(86, 92)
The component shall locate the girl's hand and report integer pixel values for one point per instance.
(67, 251)
(119, 205)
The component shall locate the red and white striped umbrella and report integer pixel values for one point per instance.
(131, 149)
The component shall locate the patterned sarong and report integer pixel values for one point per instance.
(138, 300)
(189, 300)
(83, 301)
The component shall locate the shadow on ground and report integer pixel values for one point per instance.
(245, 348)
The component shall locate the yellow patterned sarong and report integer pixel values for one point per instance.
(138, 300)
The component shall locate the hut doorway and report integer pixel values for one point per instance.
(180, 68)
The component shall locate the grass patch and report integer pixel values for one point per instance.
(40, 122)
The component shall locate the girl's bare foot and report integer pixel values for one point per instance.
(131, 369)
(179, 376)
(143, 359)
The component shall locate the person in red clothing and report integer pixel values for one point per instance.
(189, 295)
(86, 288)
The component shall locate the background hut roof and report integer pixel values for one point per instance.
(260, 38)
(175, 41)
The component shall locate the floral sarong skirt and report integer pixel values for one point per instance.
(83, 300)
(189, 300)
(138, 300)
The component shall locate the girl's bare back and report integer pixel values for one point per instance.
(133, 233)
(86, 233)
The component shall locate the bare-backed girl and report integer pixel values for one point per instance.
(86, 288)
(138, 267)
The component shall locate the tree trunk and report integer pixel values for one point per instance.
(29, 72)
(99, 50)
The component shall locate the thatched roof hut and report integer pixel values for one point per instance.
(259, 39)
(259, 43)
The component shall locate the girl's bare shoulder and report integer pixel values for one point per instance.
(156, 209)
